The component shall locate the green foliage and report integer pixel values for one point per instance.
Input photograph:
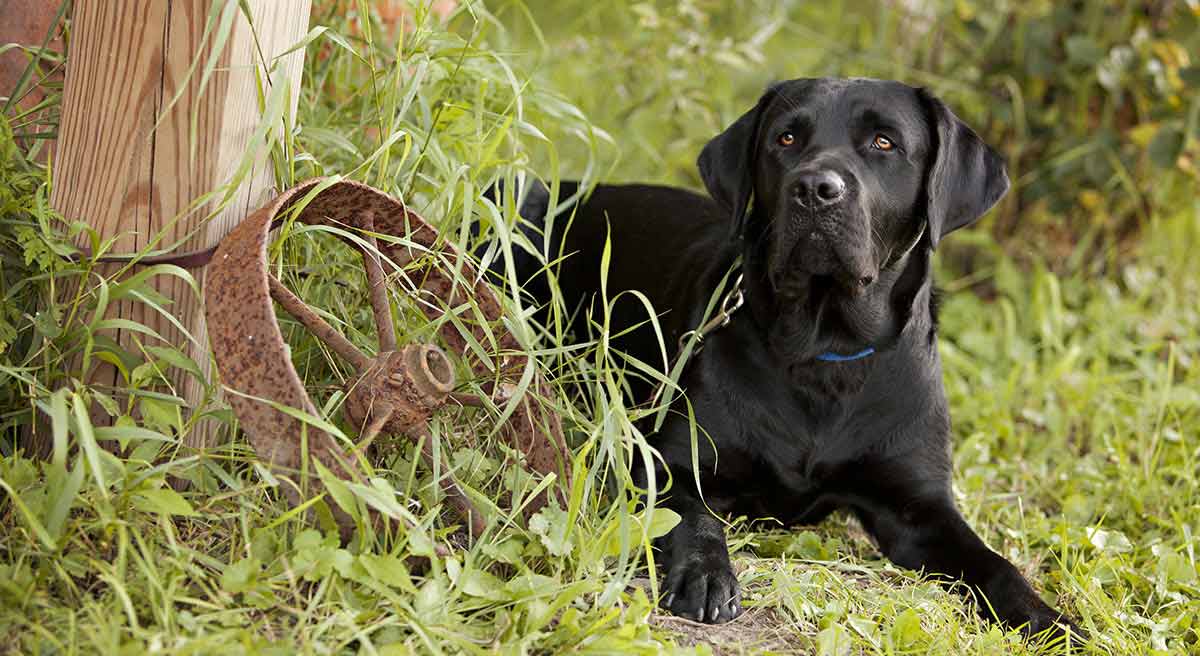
(16, 188)
(1094, 104)
(1073, 388)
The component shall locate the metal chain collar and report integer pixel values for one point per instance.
(733, 301)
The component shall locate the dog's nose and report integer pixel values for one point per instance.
(824, 187)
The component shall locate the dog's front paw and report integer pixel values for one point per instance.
(1020, 607)
(1051, 627)
(702, 589)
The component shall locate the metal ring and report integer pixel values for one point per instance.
(684, 337)
(733, 300)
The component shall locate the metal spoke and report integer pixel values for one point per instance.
(469, 400)
(316, 325)
(368, 436)
(377, 283)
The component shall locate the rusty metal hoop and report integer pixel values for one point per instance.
(395, 391)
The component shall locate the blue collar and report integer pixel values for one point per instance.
(830, 356)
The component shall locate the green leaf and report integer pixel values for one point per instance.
(34, 525)
(127, 433)
(47, 324)
(389, 570)
(87, 441)
(431, 598)
(162, 415)
(1083, 50)
(163, 500)
(177, 359)
(61, 492)
(1166, 146)
(550, 524)
(342, 43)
(1175, 569)
(125, 324)
(303, 43)
(531, 585)
(60, 423)
(241, 576)
(308, 539)
(382, 497)
(419, 544)
(507, 551)
(264, 545)
(1190, 76)
(130, 285)
(834, 641)
(479, 583)
(662, 520)
(337, 489)
(907, 632)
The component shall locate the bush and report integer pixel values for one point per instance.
(1093, 103)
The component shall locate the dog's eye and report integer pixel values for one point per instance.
(881, 142)
(786, 139)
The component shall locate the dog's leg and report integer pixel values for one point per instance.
(700, 584)
(929, 533)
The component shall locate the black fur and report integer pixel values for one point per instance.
(793, 437)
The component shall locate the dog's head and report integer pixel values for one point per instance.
(844, 175)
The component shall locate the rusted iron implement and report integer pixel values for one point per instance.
(397, 390)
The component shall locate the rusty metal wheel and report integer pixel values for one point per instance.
(395, 391)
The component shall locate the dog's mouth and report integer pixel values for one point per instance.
(801, 285)
(821, 253)
(815, 268)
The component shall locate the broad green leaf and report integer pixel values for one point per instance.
(162, 415)
(479, 583)
(549, 524)
(662, 520)
(61, 496)
(337, 489)
(241, 576)
(176, 358)
(906, 630)
(834, 640)
(87, 441)
(386, 569)
(1166, 146)
(163, 500)
(34, 525)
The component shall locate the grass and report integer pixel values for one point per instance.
(1073, 389)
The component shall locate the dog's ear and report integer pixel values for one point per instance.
(727, 164)
(968, 177)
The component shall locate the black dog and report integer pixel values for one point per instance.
(825, 390)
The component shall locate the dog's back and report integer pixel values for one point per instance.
(667, 247)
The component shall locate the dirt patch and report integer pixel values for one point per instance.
(755, 631)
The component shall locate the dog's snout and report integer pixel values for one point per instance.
(824, 187)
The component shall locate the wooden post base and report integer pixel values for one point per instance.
(149, 126)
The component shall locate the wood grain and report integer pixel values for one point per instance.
(127, 163)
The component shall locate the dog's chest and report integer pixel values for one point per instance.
(772, 457)
(776, 454)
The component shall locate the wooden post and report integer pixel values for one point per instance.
(130, 161)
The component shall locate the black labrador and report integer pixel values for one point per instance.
(825, 390)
